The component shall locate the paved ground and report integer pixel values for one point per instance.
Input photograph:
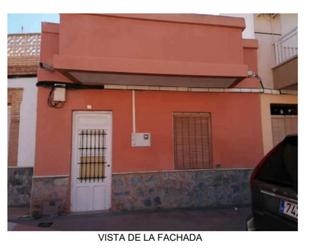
(229, 219)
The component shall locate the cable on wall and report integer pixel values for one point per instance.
(252, 74)
(51, 102)
(54, 102)
(69, 86)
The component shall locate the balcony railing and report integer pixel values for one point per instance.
(286, 47)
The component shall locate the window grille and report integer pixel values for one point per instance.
(192, 146)
(91, 155)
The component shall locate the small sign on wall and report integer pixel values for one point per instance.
(141, 139)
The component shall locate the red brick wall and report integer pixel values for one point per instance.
(14, 100)
(23, 65)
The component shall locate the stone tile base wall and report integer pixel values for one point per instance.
(49, 196)
(152, 190)
(19, 186)
(180, 189)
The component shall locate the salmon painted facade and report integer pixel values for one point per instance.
(145, 112)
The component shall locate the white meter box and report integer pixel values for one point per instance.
(59, 94)
(140, 139)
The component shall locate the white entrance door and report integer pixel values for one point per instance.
(91, 161)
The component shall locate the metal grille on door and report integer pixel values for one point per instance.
(91, 155)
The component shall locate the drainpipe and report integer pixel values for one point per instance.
(138, 139)
(133, 111)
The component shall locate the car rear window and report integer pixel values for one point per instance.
(282, 166)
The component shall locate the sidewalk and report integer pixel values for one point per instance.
(228, 219)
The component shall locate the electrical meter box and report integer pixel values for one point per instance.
(140, 139)
(59, 94)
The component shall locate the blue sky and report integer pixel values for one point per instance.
(31, 22)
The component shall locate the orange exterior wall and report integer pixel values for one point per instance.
(236, 125)
(211, 46)
(50, 47)
(111, 36)
(250, 47)
(236, 128)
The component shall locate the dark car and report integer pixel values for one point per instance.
(274, 189)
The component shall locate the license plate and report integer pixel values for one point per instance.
(289, 208)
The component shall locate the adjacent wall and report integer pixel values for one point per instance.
(268, 29)
(27, 125)
(266, 100)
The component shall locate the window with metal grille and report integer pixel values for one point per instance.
(91, 155)
(192, 146)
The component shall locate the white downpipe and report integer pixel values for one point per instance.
(133, 111)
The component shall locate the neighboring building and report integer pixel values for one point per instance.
(23, 59)
(278, 69)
